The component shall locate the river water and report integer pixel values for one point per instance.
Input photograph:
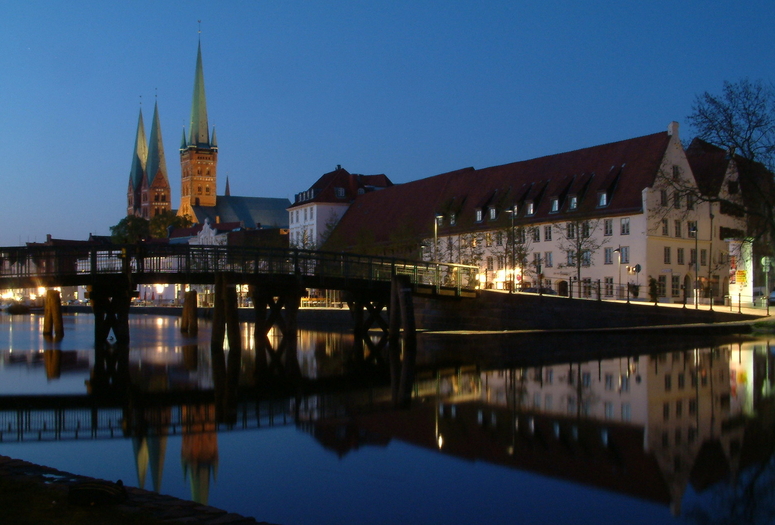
(501, 428)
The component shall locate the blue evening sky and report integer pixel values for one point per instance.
(406, 88)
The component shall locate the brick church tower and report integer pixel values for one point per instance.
(198, 152)
(149, 188)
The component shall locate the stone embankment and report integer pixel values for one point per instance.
(139, 503)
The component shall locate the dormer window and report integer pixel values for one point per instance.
(555, 205)
(452, 219)
(602, 199)
(493, 214)
(479, 215)
(530, 208)
(573, 202)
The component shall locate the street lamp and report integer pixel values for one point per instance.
(513, 212)
(619, 284)
(436, 218)
(693, 230)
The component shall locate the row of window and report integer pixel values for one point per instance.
(309, 214)
(691, 228)
(681, 259)
(529, 207)
(679, 408)
(678, 200)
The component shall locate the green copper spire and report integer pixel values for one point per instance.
(184, 142)
(198, 133)
(139, 155)
(156, 164)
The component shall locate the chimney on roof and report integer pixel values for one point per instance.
(672, 129)
(338, 167)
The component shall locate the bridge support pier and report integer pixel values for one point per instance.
(225, 375)
(366, 310)
(268, 309)
(52, 316)
(402, 370)
(189, 323)
(110, 303)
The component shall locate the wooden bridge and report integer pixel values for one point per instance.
(278, 278)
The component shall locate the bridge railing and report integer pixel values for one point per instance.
(85, 261)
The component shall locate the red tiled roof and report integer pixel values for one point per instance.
(324, 189)
(622, 169)
(709, 165)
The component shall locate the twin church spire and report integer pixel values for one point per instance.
(149, 191)
(149, 187)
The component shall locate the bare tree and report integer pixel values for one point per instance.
(740, 121)
(579, 242)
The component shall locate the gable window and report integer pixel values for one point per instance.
(339, 192)
(547, 233)
(608, 227)
(573, 203)
(625, 226)
(555, 205)
(663, 198)
(690, 202)
(602, 199)
(676, 172)
(493, 214)
(479, 215)
(677, 200)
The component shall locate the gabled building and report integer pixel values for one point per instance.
(521, 223)
(316, 211)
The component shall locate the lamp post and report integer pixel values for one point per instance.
(693, 229)
(619, 284)
(513, 212)
(436, 219)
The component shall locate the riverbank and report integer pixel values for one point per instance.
(32, 493)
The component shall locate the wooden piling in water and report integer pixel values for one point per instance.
(189, 322)
(52, 315)
(403, 289)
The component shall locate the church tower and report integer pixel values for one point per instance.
(198, 152)
(149, 187)
(156, 193)
(137, 172)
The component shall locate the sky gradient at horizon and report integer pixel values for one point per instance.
(408, 89)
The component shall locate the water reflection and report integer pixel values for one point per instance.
(691, 429)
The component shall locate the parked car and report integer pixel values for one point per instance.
(771, 298)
